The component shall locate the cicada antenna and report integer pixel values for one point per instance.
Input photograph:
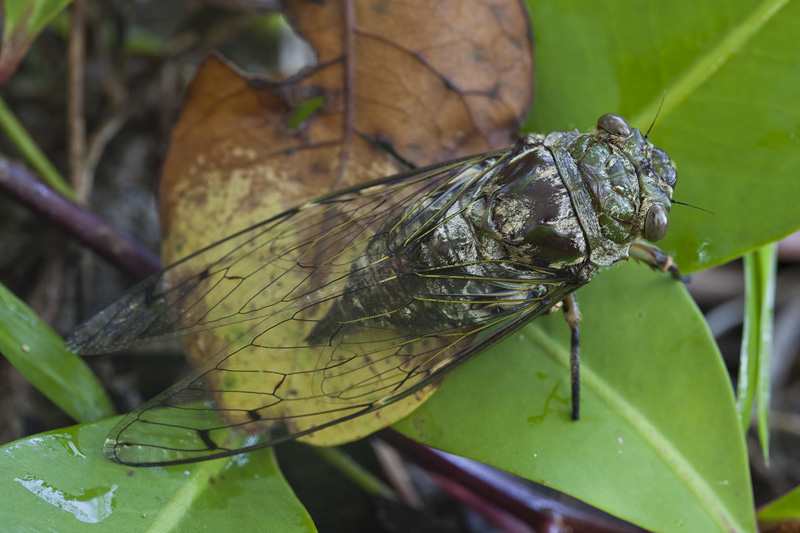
(694, 206)
(663, 95)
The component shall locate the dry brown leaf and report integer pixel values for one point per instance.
(435, 80)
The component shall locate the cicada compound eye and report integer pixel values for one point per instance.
(614, 124)
(656, 222)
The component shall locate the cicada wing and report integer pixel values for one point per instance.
(359, 366)
(321, 367)
(288, 260)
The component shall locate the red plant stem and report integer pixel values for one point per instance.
(77, 221)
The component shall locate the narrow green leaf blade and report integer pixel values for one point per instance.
(748, 355)
(754, 387)
(31, 152)
(787, 507)
(767, 260)
(39, 354)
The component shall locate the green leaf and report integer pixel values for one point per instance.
(760, 269)
(658, 442)
(22, 22)
(39, 354)
(787, 507)
(728, 73)
(60, 481)
(303, 111)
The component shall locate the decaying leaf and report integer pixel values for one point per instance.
(433, 80)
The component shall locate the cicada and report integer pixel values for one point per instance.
(354, 301)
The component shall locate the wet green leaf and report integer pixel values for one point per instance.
(60, 481)
(658, 442)
(39, 354)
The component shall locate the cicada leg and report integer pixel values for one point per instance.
(657, 259)
(573, 317)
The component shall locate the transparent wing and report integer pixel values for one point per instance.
(290, 260)
(329, 311)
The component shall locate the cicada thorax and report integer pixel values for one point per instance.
(465, 255)
(528, 213)
(518, 230)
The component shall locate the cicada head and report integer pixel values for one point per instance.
(655, 173)
(629, 180)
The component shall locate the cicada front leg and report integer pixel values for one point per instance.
(657, 259)
(573, 317)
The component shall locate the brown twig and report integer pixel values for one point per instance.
(77, 221)
(75, 102)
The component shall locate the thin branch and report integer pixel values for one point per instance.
(77, 221)
(75, 99)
